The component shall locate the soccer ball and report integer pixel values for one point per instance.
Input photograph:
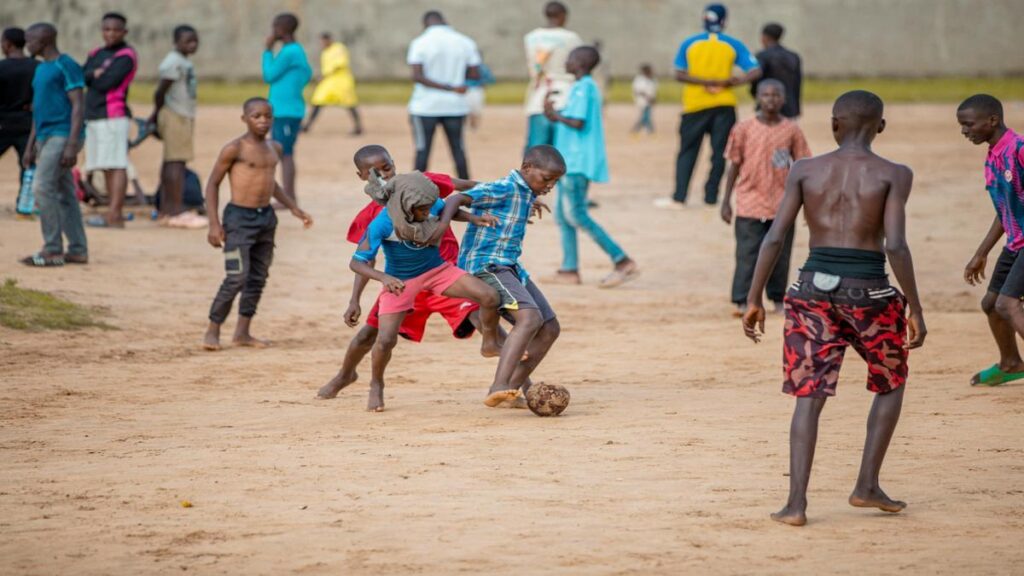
(547, 399)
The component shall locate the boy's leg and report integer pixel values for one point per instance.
(1005, 336)
(235, 263)
(541, 342)
(312, 118)
(885, 413)
(257, 269)
(117, 187)
(453, 126)
(570, 244)
(172, 185)
(71, 218)
(358, 348)
(579, 216)
(47, 189)
(803, 437)
(472, 288)
(778, 282)
(357, 122)
(423, 139)
(387, 338)
(721, 123)
(691, 132)
(526, 323)
(748, 243)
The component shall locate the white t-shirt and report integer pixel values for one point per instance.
(181, 97)
(645, 90)
(546, 52)
(444, 54)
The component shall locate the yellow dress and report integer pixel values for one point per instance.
(338, 87)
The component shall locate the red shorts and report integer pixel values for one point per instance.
(455, 311)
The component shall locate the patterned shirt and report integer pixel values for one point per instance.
(1004, 179)
(510, 201)
(764, 154)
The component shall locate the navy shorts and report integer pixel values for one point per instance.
(1008, 275)
(285, 132)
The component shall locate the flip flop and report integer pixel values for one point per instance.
(38, 260)
(101, 222)
(993, 376)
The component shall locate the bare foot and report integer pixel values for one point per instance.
(490, 348)
(520, 402)
(330, 390)
(740, 310)
(496, 396)
(876, 499)
(376, 401)
(793, 517)
(211, 340)
(250, 342)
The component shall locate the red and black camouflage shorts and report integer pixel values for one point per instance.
(865, 314)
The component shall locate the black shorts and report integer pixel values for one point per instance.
(1008, 275)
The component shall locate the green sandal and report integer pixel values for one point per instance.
(993, 376)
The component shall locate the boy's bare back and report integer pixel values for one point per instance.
(253, 164)
(845, 194)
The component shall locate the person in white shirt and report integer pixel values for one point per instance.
(441, 60)
(547, 49)
(645, 92)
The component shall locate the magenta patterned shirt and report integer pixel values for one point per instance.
(1004, 179)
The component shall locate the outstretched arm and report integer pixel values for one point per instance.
(898, 251)
(228, 155)
(974, 272)
(792, 200)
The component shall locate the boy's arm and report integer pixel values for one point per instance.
(287, 202)
(792, 200)
(111, 76)
(228, 155)
(463, 185)
(974, 272)
(686, 78)
(730, 181)
(70, 154)
(89, 70)
(275, 67)
(354, 310)
(29, 157)
(898, 252)
(420, 78)
(159, 97)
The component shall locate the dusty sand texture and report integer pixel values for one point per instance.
(669, 459)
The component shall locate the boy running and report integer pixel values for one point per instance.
(579, 138)
(413, 264)
(456, 311)
(109, 72)
(760, 152)
(53, 146)
(247, 234)
(492, 254)
(981, 122)
(854, 202)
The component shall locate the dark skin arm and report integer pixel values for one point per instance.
(686, 78)
(463, 185)
(354, 310)
(898, 252)
(792, 201)
(29, 157)
(730, 181)
(108, 78)
(391, 284)
(554, 116)
(70, 154)
(420, 78)
(159, 97)
(227, 157)
(287, 201)
(974, 272)
(746, 78)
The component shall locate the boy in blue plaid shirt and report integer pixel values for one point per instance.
(492, 254)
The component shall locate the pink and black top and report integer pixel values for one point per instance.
(108, 94)
(1004, 179)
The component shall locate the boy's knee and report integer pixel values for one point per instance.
(988, 303)
(386, 342)
(529, 320)
(488, 298)
(366, 336)
(551, 329)
(1007, 307)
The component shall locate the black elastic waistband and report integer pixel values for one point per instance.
(846, 262)
(863, 283)
(259, 210)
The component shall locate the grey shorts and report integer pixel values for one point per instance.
(513, 293)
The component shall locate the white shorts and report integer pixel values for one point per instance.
(106, 144)
(475, 98)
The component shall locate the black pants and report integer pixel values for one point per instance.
(248, 252)
(692, 127)
(423, 128)
(750, 232)
(19, 142)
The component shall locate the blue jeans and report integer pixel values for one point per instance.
(572, 213)
(644, 123)
(539, 130)
(54, 189)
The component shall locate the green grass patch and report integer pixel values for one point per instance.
(23, 309)
(892, 90)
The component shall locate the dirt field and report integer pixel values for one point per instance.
(669, 459)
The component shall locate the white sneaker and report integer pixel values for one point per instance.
(668, 204)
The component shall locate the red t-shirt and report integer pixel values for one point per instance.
(449, 244)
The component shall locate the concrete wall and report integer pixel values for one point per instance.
(836, 37)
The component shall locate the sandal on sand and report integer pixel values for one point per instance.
(993, 376)
(619, 277)
(189, 220)
(76, 258)
(40, 260)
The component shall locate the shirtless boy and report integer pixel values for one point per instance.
(247, 234)
(854, 202)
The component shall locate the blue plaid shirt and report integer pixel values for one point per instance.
(510, 200)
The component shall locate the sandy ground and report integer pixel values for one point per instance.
(669, 459)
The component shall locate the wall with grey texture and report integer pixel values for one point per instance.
(837, 38)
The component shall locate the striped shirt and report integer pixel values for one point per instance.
(510, 201)
(1004, 179)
